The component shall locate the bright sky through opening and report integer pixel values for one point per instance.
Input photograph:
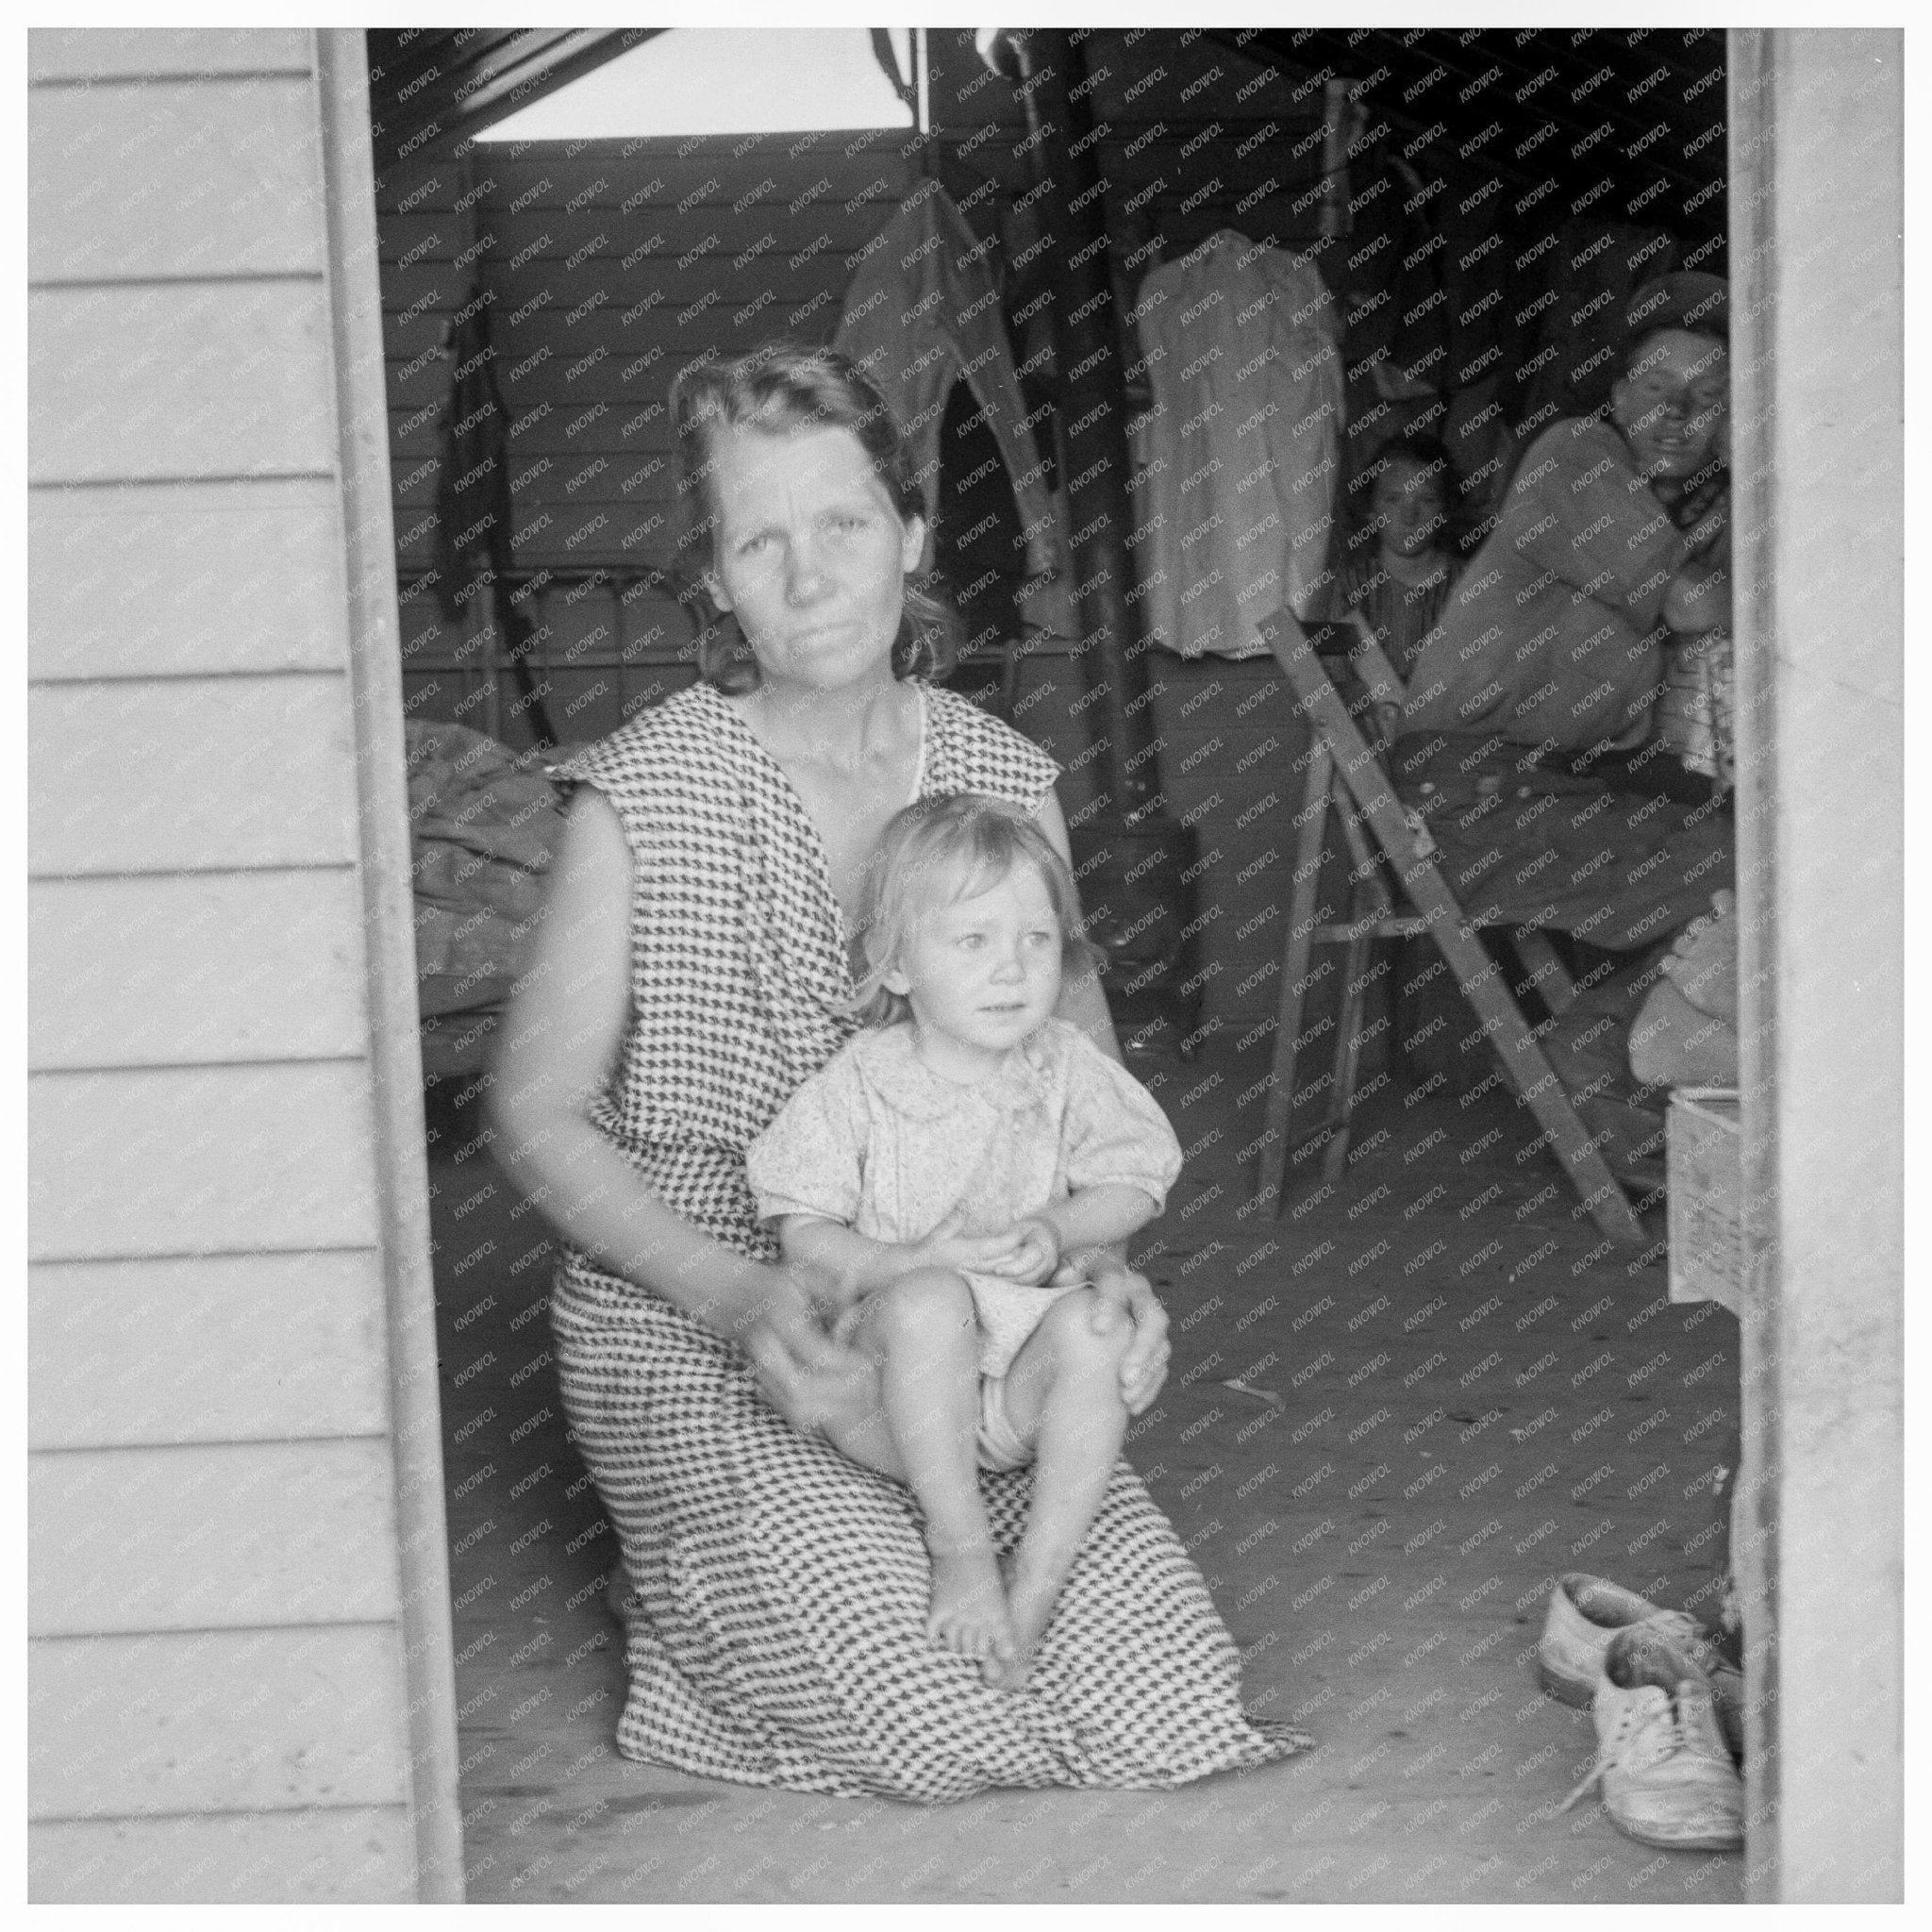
(723, 81)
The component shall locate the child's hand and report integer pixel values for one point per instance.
(1038, 1257)
(985, 1254)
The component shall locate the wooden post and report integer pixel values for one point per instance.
(1092, 410)
(1816, 129)
(1135, 858)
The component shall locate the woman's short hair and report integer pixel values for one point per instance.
(939, 851)
(781, 387)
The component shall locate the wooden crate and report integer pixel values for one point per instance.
(1705, 1159)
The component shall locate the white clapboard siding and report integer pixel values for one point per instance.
(191, 774)
(161, 379)
(157, 580)
(215, 1720)
(196, 967)
(230, 1535)
(130, 197)
(129, 53)
(233, 1694)
(187, 1160)
(351, 1854)
(206, 1348)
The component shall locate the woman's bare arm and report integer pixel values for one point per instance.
(564, 1027)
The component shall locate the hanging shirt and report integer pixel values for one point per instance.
(922, 312)
(1237, 459)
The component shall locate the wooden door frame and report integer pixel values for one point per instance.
(376, 680)
(1815, 129)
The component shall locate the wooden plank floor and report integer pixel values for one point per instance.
(1478, 1393)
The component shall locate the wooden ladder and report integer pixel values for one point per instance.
(1347, 781)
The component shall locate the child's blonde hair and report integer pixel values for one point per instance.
(935, 853)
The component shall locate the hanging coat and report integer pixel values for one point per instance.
(921, 312)
(1237, 457)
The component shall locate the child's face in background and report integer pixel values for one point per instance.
(1409, 510)
(982, 974)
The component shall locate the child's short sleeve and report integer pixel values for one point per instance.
(1115, 1131)
(809, 1160)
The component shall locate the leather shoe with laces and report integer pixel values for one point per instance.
(1586, 1612)
(1661, 1765)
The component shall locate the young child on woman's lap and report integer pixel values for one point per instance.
(941, 1176)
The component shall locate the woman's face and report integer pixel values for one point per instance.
(1671, 405)
(809, 554)
(1409, 508)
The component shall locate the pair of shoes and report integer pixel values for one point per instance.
(1661, 1765)
(1586, 1612)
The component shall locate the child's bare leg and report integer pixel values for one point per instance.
(1063, 1396)
(921, 1332)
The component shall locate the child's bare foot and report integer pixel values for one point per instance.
(969, 1610)
(1030, 1602)
(1703, 965)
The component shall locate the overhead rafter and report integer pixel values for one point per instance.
(428, 86)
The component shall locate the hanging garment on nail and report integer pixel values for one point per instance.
(922, 312)
(1237, 459)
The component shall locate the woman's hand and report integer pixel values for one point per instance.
(1123, 1295)
(814, 1382)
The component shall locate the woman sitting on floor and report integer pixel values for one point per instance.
(696, 964)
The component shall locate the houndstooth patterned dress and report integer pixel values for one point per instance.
(776, 1634)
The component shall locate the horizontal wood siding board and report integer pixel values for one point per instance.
(549, 299)
(431, 241)
(630, 374)
(205, 1349)
(541, 180)
(545, 443)
(505, 171)
(188, 970)
(193, 1161)
(210, 1536)
(191, 774)
(146, 54)
(218, 1719)
(338, 1855)
(178, 379)
(191, 178)
(166, 580)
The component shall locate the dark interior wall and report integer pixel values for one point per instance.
(604, 271)
(607, 265)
